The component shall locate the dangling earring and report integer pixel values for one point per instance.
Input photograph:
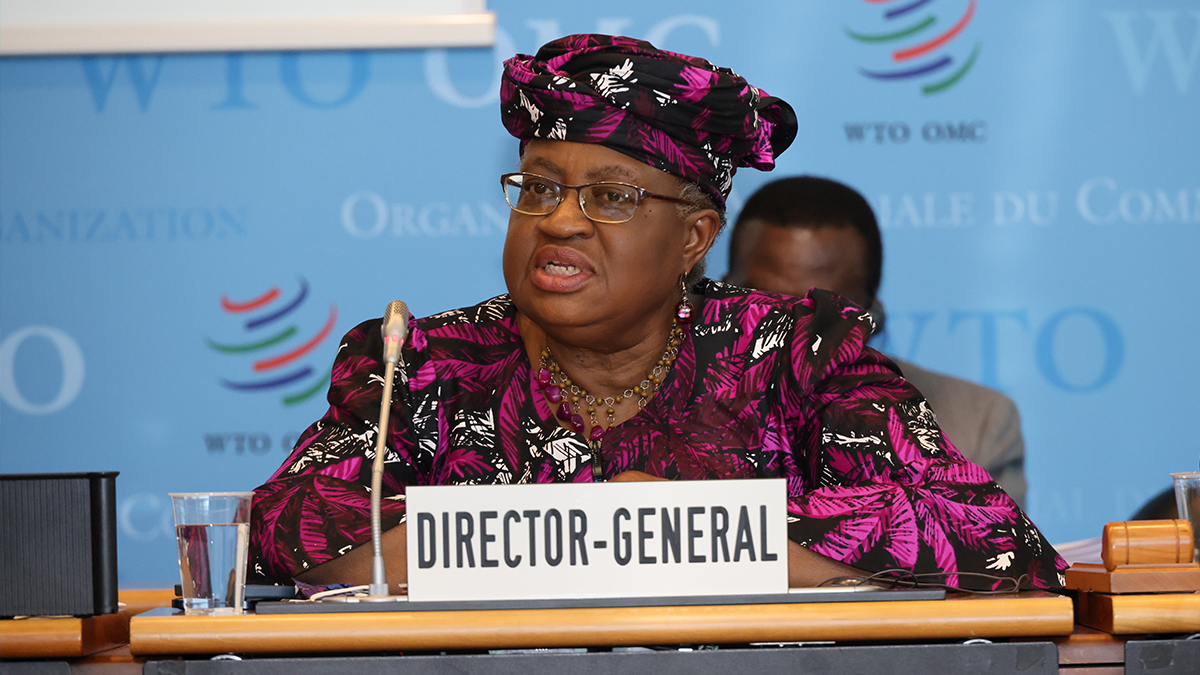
(683, 311)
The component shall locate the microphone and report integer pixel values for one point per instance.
(395, 332)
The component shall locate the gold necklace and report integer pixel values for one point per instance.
(558, 388)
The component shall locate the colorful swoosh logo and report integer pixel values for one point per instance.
(279, 363)
(918, 48)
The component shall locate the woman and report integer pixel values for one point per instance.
(611, 359)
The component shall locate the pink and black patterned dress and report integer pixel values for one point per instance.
(764, 386)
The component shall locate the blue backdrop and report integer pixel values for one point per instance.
(183, 239)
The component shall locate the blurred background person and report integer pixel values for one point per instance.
(805, 232)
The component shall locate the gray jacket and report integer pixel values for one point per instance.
(981, 422)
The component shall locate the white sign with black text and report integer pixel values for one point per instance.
(597, 540)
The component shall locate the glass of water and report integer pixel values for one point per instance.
(1187, 498)
(212, 529)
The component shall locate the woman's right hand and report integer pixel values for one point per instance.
(354, 567)
(633, 477)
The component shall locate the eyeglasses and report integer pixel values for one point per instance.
(535, 195)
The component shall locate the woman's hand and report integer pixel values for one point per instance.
(809, 568)
(633, 477)
(355, 566)
(805, 567)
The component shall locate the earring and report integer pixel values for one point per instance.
(683, 311)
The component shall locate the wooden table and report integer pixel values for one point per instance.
(70, 637)
(1139, 613)
(138, 601)
(42, 637)
(1027, 614)
(1087, 651)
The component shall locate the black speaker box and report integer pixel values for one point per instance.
(58, 544)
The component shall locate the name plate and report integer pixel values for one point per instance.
(597, 540)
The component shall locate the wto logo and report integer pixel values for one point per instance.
(927, 57)
(273, 369)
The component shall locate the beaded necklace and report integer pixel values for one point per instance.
(558, 388)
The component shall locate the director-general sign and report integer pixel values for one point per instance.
(589, 540)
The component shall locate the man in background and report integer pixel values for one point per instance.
(802, 232)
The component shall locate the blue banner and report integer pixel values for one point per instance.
(184, 238)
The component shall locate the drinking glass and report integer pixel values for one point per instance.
(1187, 498)
(212, 529)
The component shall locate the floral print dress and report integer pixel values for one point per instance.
(764, 386)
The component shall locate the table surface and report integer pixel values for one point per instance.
(40, 637)
(46, 637)
(1093, 651)
(163, 631)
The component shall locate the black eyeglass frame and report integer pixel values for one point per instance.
(560, 195)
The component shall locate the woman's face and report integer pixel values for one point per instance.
(602, 285)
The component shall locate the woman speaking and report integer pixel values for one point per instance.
(611, 357)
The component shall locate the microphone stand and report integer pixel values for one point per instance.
(379, 585)
(395, 331)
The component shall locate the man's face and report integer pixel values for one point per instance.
(792, 260)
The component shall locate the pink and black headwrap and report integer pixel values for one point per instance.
(678, 113)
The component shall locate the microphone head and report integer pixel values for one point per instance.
(395, 318)
(395, 330)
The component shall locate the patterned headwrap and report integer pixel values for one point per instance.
(677, 113)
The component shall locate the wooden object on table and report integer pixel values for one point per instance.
(1146, 542)
(1025, 614)
(1133, 579)
(1143, 613)
(1148, 556)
